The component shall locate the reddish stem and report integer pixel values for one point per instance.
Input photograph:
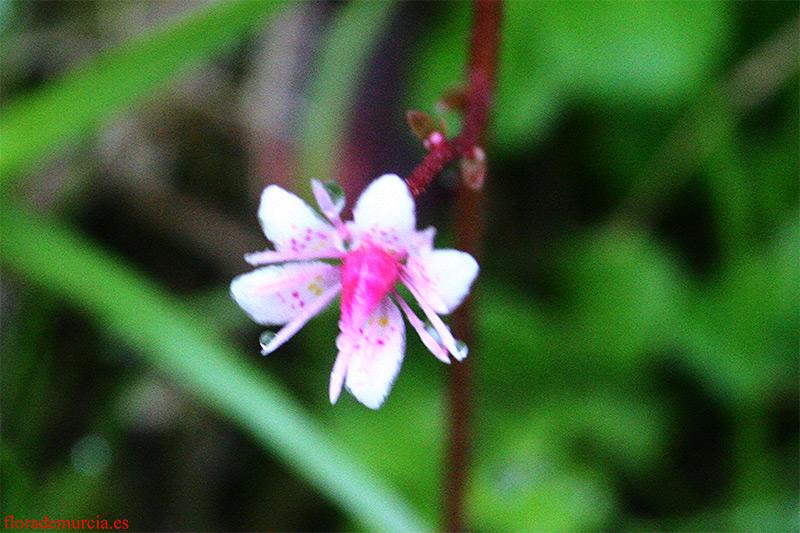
(469, 223)
(481, 76)
(469, 232)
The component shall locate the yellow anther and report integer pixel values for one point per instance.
(315, 289)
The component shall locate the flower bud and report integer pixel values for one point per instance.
(420, 123)
(454, 99)
(473, 168)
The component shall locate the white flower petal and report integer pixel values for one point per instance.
(422, 241)
(445, 336)
(337, 374)
(329, 208)
(268, 257)
(442, 277)
(385, 212)
(428, 340)
(275, 294)
(294, 325)
(292, 225)
(372, 355)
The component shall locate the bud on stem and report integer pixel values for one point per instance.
(473, 168)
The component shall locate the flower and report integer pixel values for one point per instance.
(364, 259)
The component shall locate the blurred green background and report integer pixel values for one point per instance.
(637, 367)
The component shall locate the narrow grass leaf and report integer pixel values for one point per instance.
(44, 120)
(57, 259)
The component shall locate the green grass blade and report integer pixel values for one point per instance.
(45, 119)
(54, 257)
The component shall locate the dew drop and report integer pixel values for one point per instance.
(336, 193)
(265, 339)
(462, 349)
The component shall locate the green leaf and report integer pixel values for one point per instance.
(741, 334)
(632, 52)
(523, 483)
(178, 342)
(46, 119)
(624, 292)
(645, 51)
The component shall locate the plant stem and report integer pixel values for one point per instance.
(469, 230)
(469, 225)
(481, 75)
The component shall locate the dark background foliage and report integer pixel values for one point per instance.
(637, 366)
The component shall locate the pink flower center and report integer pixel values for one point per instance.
(368, 274)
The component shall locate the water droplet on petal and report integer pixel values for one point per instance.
(462, 349)
(336, 193)
(265, 339)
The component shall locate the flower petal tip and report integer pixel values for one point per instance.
(337, 380)
(265, 340)
(333, 395)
